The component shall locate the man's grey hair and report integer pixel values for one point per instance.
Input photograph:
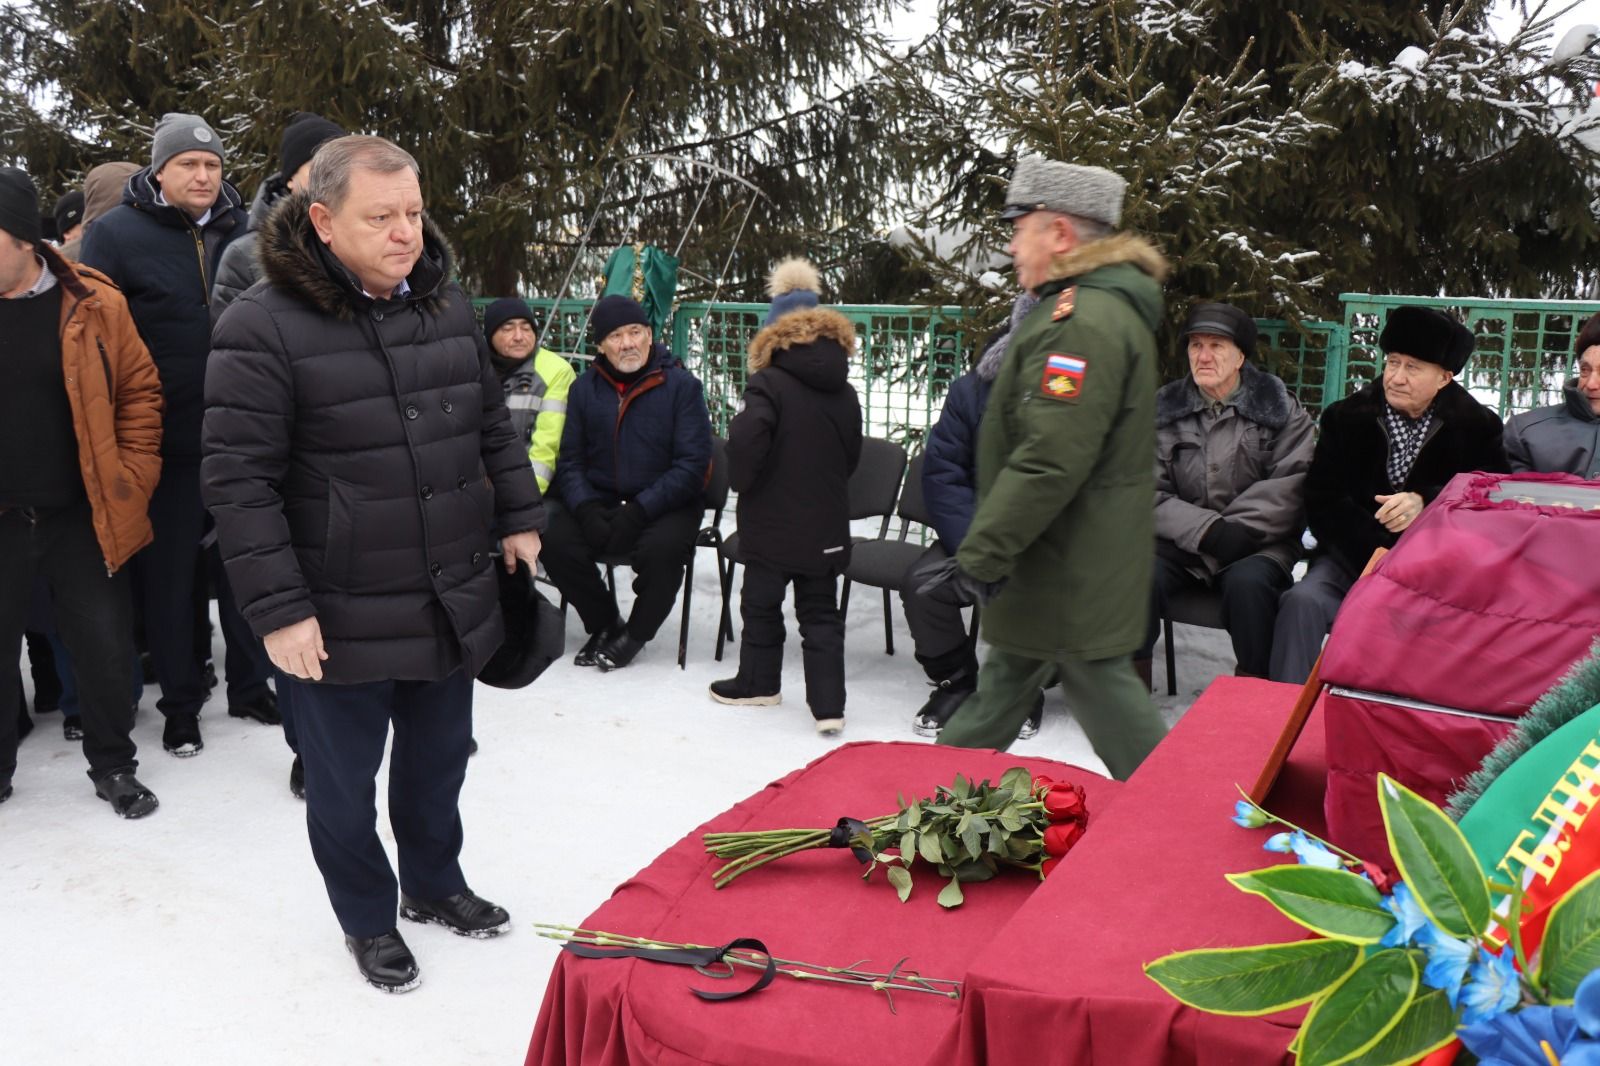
(329, 181)
(1089, 229)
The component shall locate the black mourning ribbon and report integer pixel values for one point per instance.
(848, 828)
(699, 958)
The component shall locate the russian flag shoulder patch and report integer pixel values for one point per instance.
(1064, 377)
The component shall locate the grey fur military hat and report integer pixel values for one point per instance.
(1041, 184)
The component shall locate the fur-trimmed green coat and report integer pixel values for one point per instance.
(1066, 456)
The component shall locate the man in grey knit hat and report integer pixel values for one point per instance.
(1060, 544)
(162, 247)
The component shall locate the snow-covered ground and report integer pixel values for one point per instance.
(202, 933)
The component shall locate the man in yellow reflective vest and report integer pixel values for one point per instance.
(536, 382)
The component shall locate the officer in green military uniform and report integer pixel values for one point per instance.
(1061, 544)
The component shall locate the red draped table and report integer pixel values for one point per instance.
(1052, 970)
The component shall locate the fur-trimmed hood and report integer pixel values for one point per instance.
(1261, 397)
(293, 257)
(801, 328)
(1110, 251)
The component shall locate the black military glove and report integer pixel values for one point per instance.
(625, 529)
(1228, 542)
(594, 519)
(948, 583)
(1169, 551)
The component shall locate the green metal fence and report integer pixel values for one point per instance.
(1523, 353)
(908, 356)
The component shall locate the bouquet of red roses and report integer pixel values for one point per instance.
(966, 832)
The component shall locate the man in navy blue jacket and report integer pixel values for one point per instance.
(162, 247)
(635, 455)
(950, 491)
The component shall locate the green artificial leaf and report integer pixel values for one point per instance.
(1571, 947)
(961, 826)
(971, 839)
(962, 789)
(1435, 860)
(1360, 1010)
(1022, 847)
(908, 847)
(1018, 780)
(1428, 1023)
(982, 870)
(1011, 820)
(928, 846)
(950, 895)
(1334, 903)
(900, 878)
(1254, 980)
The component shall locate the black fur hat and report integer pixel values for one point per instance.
(1429, 335)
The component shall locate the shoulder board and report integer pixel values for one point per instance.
(1065, 303)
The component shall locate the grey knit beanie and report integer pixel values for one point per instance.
(177, 133)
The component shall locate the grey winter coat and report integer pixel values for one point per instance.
(1563, 439)
(239, 268)
(1246, 463)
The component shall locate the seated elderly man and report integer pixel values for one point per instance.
(635, 454)
(1384, 454)
(1564, 439)
(1232, 449)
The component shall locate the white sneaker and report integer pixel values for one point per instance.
(830, 727)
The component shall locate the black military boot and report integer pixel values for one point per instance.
(385, 961)
(948, 696)
(464, 914)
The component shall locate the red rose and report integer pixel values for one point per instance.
(1048, 865)
(1041, 783)
(1058, 839)
(1380, 880)
(1064, 802)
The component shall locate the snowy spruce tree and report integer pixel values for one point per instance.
(518, 113)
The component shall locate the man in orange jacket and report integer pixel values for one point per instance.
(80, 454)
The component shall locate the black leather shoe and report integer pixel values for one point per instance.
(385, 961)
(588, 654)
(464, 914)
(181, 736)
(297, 779)
(263, 709)
(126, 795)
(617, 652)
(948, 696)
(72, 728)
(472, 748)
(5, 792)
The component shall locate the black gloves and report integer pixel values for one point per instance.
(1228, 542)
(626, 526)
(948, 583)
(595, 519)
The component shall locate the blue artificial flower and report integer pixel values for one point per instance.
(1247, 815)
(1312, 853)
(1278, 842)
(1448, 959)
(1408, 917)
(1586, 1005)
(1515, 1039)
(1492, 988)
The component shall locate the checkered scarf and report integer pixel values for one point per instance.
(1405, 441)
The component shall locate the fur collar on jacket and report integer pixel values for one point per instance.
(293, 257)
(1109, 251)
(801, 327)
(1261, 397)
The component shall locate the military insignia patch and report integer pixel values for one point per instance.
(1065, 303)
(1063, 377)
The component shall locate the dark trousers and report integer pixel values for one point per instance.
(939, 637)
(1249, 588)
(657, 562)
(341, 731)
(1305, 615)
(816, 605)
(165, 575)
(94, 614)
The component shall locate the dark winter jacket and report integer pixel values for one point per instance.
(795, 443)
(1245, 463)
(651, 443)
(1562, 439)
(164, 264)
(360, 463)
(1065, 461)
(949, 460)
(239, 268)
(1349, 466)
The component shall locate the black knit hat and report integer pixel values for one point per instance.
(19, 206)
(612, 313)
(504, 310)
(68, 211)
(1429, 335)
(1223, 320)
(304, 134)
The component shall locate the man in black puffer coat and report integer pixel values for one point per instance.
(791, 451)
(360, 465)
(631, 476)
